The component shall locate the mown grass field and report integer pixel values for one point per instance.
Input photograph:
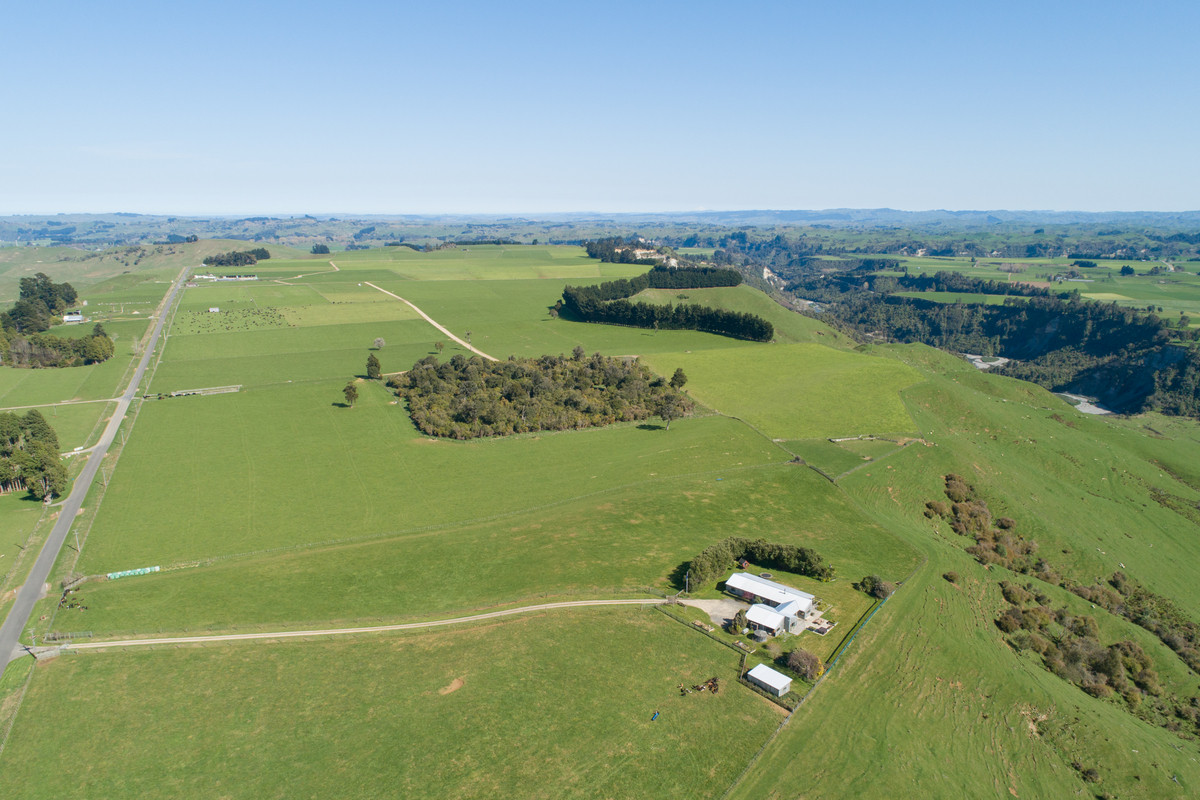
(547, 706)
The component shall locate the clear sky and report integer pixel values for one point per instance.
(472, 107)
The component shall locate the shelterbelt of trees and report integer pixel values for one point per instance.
(1133, 361)
(467, 398)
(23, 341)
(607, 303)
(29, 457)
(238, 258)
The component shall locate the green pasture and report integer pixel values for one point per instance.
(789, 326)
(258, 463)
(18, 516)
(611, 542)
(486, 262)
(512, 318)
(798, 391)
(957, 297)
(76, 424)
(36, 387)
(553, 705)
(830, 457)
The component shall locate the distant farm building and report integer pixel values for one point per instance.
(73, 316)
(214, 310)
(776, 608)
(769, 680)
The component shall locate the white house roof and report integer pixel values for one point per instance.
(772, 592)
(793, 608)
(765, 616)
(769, 677)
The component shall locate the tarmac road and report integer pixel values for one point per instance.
(31, 591)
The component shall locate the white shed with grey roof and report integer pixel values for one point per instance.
(769, 680)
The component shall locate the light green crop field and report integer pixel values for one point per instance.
(798, 391)
(555, 705)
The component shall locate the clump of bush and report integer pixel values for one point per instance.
(1126, 597)
(467, 398)
(952, 577)
(805, 664)
(712, 562)
(875, 586)
(996, 541)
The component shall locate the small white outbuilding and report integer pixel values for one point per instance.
(769, 680)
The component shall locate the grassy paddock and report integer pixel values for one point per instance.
(553, 705)
(798, 391)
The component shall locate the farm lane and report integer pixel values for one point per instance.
(237, 637)
(435, 323)
(29, 593)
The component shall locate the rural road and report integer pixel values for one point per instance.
(29, 593)
(237, 637)
(434, 323)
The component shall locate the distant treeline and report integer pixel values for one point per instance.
(1133, 361)
(29, 457)
(466, 398)
(238, 258)
(478, 242)
(607, 303)
(716, 560)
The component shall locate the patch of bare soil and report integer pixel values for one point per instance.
(454, 686)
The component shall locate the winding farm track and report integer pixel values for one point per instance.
(238, 637)
(434, 323)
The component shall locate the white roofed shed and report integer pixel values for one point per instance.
(769, 680)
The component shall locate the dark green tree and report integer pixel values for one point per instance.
(373, 370)
(351, 392)
(672, 407)
(320, 250)
(679, 379)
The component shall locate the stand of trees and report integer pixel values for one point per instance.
(47, 350)
(466, 398)
(39, 305)
(29, 457)
(238, 258)
(715, 560)
(23, 341)
(607, 303)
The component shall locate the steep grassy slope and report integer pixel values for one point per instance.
(931, 698)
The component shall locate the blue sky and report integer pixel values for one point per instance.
(523, 107)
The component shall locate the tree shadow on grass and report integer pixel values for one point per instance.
(650, 426)
(339, 405)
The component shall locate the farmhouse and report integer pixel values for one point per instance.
(73, 316)
(776, 608)
(769, 680)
